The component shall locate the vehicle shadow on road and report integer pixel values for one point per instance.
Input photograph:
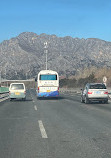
(21, 100)
(50, 98)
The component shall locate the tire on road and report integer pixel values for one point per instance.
(86, 100)
(106, 101)
(82, 101)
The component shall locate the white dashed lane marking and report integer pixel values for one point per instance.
(35, 107)
(42, 129)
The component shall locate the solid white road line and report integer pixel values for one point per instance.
(35, 107)
(42, 129)
(4, 99)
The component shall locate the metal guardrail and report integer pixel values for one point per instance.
(4, 92)
(4, 95)
(71, 90)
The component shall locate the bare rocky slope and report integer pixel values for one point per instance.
(23, 56)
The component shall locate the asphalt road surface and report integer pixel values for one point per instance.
(54, 128)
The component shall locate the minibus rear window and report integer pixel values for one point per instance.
(48, 77)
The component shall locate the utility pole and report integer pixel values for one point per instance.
(26, 75)
(5, 73)
(46, 51)
(0, 78)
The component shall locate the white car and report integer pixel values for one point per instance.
(94, 92)
(17, 91)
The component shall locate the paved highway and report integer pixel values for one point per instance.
(54, 128)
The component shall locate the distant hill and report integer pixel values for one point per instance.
(23, 56)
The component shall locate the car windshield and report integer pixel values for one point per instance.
(97, 86)
(17, 86)
(48, 77)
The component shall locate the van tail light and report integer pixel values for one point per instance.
(106, 92)
(24, 92)
(38, 89)
(58, 88)
(89, 92)
(9, 92)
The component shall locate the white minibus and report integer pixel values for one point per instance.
(48, 84)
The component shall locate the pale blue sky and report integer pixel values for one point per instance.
(76, 18)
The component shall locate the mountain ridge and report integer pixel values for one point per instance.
(23, 56)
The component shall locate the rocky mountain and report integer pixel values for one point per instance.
(23, 56)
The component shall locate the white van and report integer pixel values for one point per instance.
(17, 90)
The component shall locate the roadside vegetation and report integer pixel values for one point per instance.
(87, 75)
(70, 83)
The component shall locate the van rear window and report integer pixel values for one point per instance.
(97, 86)
(17, 86)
